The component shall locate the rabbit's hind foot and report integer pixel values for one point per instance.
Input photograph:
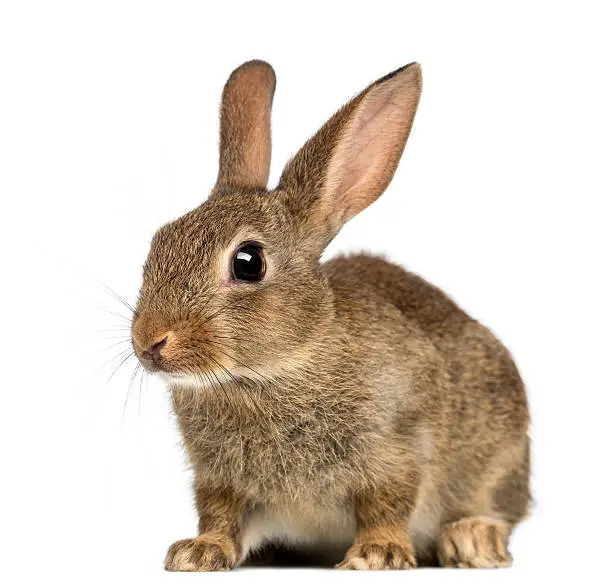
(474, 542)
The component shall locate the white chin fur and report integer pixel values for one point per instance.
(213, 380)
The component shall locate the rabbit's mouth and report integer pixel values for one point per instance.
(170, 349)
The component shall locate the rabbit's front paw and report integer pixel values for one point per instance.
(378, 556)
(201, 554)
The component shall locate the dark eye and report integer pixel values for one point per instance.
(248, 263)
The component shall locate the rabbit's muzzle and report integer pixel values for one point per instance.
(154, 342)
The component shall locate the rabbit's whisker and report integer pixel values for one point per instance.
(221, 350)
(129, 355)
(117, 297)
(129, 390)
(115, 314)
(122, 341)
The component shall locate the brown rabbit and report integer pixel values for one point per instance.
(347, 410)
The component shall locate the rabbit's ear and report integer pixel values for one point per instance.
(245, 142)
(350, 161)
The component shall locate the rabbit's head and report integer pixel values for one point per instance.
(234, 288)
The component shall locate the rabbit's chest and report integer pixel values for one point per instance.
(302, 460)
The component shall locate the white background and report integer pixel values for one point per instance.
(108, 128)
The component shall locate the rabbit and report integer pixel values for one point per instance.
(348, 411)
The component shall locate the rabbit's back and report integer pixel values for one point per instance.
(482, 449)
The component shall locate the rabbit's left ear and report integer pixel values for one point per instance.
(245, 143)
(350, 161)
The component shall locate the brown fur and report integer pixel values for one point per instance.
(345, 408)
(245, 145)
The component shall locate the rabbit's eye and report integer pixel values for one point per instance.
(248, 263)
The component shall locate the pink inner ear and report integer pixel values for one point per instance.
(367, 155)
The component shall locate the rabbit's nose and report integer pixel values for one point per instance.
(153, 352)
(153, 339)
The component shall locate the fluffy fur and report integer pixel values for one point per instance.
(348, 410)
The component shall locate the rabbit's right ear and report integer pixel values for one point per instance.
(245, 144)
(348, 164)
